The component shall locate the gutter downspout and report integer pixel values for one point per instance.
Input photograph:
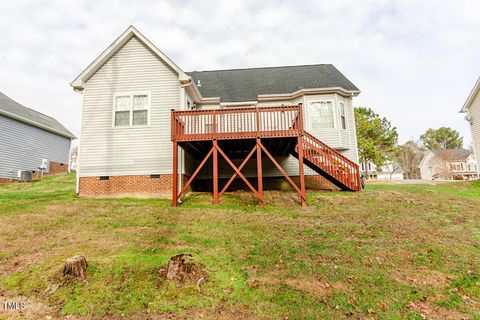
(354, 127)
(77, 186)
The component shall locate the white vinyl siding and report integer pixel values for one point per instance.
(107, 149)
(22, 147)
(474, 113)
(345, 143)
(137, 150)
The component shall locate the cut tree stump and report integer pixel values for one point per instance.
(182, 268)
(76, 267)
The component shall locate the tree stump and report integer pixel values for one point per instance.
(76, 266)
(182, 268)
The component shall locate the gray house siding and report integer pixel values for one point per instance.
(22, 147)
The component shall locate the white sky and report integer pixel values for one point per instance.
(415, 61)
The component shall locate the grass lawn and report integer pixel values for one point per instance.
(390, 252)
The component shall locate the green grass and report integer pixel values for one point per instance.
(390, 252)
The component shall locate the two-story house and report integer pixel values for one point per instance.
(390, 171)
(149, 127)
(449, 164)
(471, 108)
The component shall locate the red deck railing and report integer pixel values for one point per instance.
(238, 123)
(331, 161)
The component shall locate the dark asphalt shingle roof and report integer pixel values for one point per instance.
(452, 154)
(16, 109)
(247, 84)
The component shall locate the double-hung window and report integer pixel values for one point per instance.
(343, 117)
(131, 110)
(322, 116)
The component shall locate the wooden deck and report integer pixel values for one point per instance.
(241, 123)
(241, 132)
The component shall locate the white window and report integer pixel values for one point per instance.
(343, 118)
(456, 166)
(131, 110)
(321, 115)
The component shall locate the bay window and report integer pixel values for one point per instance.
(343, 117)
(322, 116)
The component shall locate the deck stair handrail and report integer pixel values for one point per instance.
(333, 163)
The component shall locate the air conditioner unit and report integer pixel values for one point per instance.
(24, 175)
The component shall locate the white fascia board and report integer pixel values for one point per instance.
(296, 94)
(471, 96)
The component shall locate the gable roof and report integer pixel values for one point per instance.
(471, 96)
(452, 154)
(131, 32)
(247, 84)
(15, 110)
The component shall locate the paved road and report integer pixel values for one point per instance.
(413, 181)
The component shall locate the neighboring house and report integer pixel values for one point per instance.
(449, 164)
(30, 141)
(390, 171)
(128, 125)
(472, 110)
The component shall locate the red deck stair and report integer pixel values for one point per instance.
(329, 163)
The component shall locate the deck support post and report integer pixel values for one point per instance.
(301, 171)
(259, 173)
(215, 172)
(185, 187)
(175, 175)
(302, 195)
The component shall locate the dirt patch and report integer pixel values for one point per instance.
(424, 278)
(399, 197)
(430, 311)
(316, 288)
(20, 307)
(336, 200)
(288, 199)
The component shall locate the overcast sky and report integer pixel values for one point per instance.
(414, 61)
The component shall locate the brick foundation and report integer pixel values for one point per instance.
(3, 180)
(56, 168)
(162, 185)
(316, 182)
(311, 183)
(319, 183)
(126, 185)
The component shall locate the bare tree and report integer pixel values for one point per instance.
(393, 168)
(441, 168)
(409, 156)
